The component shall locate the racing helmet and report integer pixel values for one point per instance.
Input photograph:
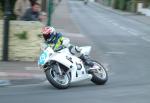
(48, 33)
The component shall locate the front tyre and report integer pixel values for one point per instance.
(57, 80)
(99, 74)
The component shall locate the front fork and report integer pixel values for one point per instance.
(58, 70)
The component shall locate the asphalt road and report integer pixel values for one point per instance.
(121, 42)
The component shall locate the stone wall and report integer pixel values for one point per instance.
(23, 49)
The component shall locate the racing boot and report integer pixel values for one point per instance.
(87, 61)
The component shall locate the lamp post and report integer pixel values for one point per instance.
(7, 13)
(50, 10)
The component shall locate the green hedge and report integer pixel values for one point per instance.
(122, 4)
(114, 4)
(107, 2)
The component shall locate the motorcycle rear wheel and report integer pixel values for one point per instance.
(99, 75)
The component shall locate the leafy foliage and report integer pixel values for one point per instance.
(22, 35)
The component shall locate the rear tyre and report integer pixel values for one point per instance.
(57, 80)
(99, 75)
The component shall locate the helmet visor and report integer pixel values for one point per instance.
(50, 38)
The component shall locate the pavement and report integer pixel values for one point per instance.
(20, 73)
(62, 20)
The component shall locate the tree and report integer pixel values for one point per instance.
(146, 3)
(12, 3)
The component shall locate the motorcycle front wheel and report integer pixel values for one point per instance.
(99, 74)
(57, 80)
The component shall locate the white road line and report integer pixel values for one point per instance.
(115, 24)
(4, 82)
(133, 32)
(3, 74)
(27, 85)
(111, 21)
(17, 74)
(74, 35)
(70, 34)
(122, 27)
(120, 44)
(40, 76)
(146, 39)
(115, 52)
(106, 18)
(33, 68)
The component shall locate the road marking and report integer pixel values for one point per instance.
(115, 52)
(17, 74)
(111, 21)
(4, 83)
(74, 35)
(146, 39)
(120, 44)
(115, 24)
(33, 68)
(40, 76)
(71, 34)
(133, 32)
(27, 85)
(122, 27)
(3, 74)
(105, 18)
(20, 74)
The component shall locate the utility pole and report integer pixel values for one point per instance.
(50, 10)
(7, 13)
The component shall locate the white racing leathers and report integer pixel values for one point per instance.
(75, 50)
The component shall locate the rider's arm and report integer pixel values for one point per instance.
(66, 42)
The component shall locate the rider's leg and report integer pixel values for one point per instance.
(86, 59)
(75, 50)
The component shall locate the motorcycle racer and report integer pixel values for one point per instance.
(58, 42)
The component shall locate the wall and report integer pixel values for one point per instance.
(23, 49)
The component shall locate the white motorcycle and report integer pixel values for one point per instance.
(62, 68)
